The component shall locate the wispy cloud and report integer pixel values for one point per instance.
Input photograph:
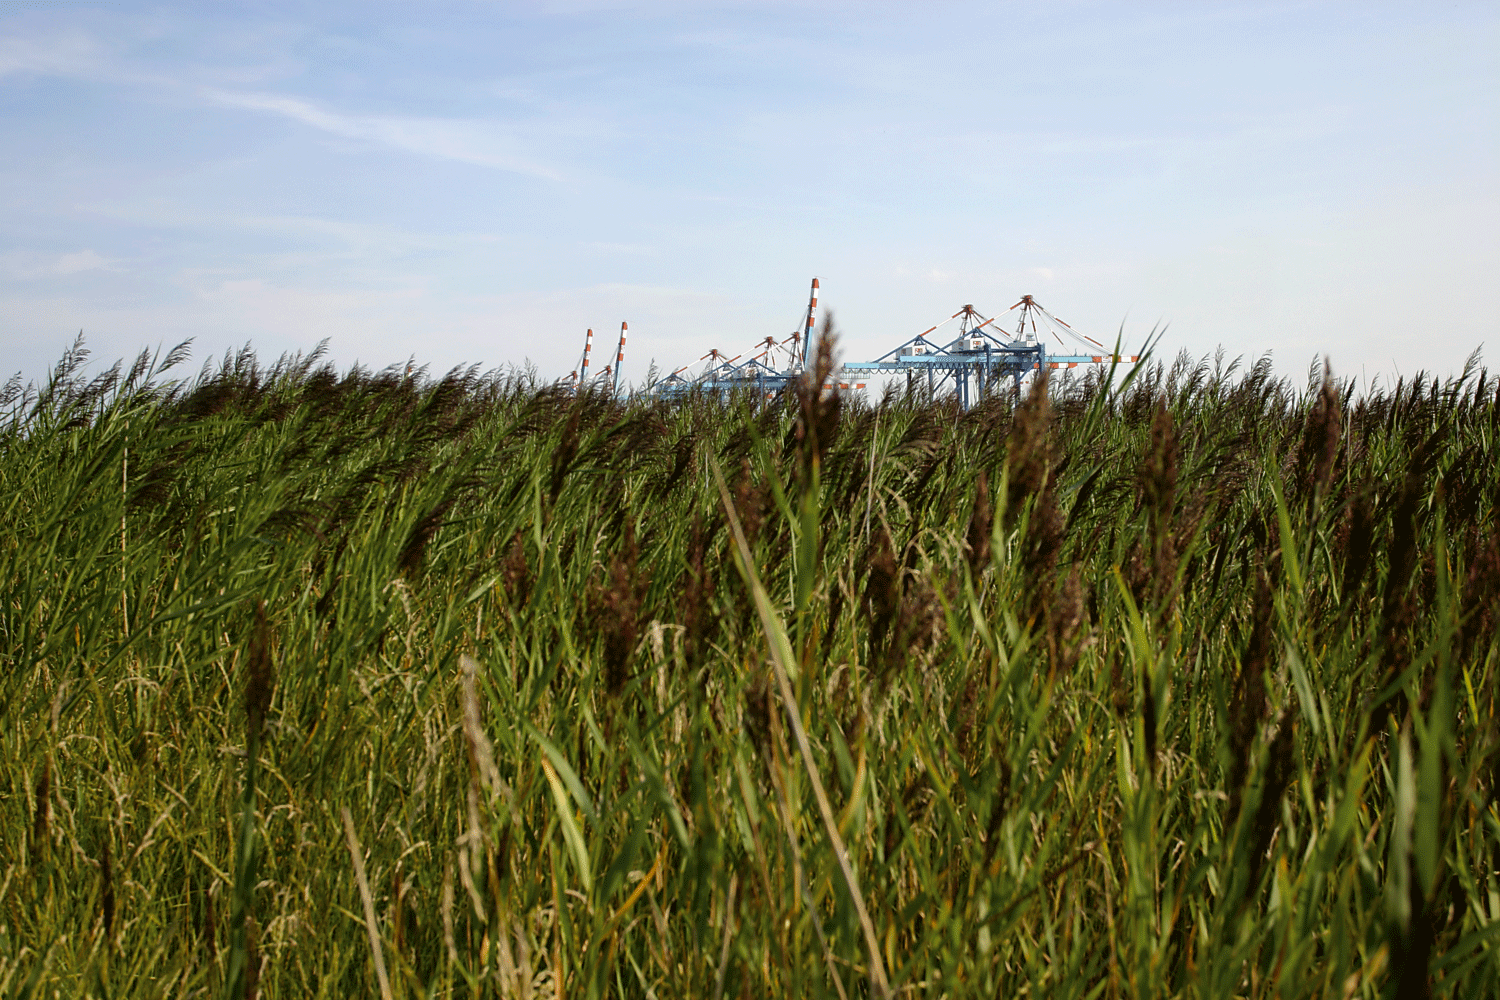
(69, 54)
(636, 249)
(29, 265)
(445, 138)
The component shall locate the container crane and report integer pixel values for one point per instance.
(982, 352)
(768, 367)
(579, 378)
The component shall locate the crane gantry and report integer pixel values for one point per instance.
(982, 354)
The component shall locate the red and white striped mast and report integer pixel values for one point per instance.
(620, 357)
(812, 310)
(588, 347)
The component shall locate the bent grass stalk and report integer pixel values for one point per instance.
(357, 858)
(780, 651)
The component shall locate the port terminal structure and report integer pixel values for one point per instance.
(983, 354)
(975, 362)
(766, 369)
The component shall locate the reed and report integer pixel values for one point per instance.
(1174, 682)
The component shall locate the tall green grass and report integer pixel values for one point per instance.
(1175, 682)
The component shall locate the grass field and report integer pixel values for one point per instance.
(1180, 682)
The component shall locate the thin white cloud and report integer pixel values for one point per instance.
(83, 260)
(637, 249)
(78, 55)
(29, 265)
(71, 54)
(444, 138)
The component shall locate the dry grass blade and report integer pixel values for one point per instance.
(481, 751)
(780, 650)
(369, 903)
(728, 936)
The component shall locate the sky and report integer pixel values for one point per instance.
(479, 182)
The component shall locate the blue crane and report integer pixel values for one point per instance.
(983, 352)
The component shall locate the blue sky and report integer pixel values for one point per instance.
(480, 182)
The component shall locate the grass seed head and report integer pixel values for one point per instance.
(882, 597)
(1148, 716)
(1065, 614)
(968, 737)
(42, 816)
(260, 675)
(619, 610)
(1325, 433)
(1032, 456)
(210, 927)
(252, 962)
(1159, 470)
(1028, 449)
(749, 501)
(999, 801)
(697, 593)
(1358, 533)
(517, 572)
(1479, 615)
(107, 891)
(415, 549)
(757, 715)
(819, 405)
(1399, 607)
(1280, 768)
(1247, 708)
(565, 450)
(978, 550)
